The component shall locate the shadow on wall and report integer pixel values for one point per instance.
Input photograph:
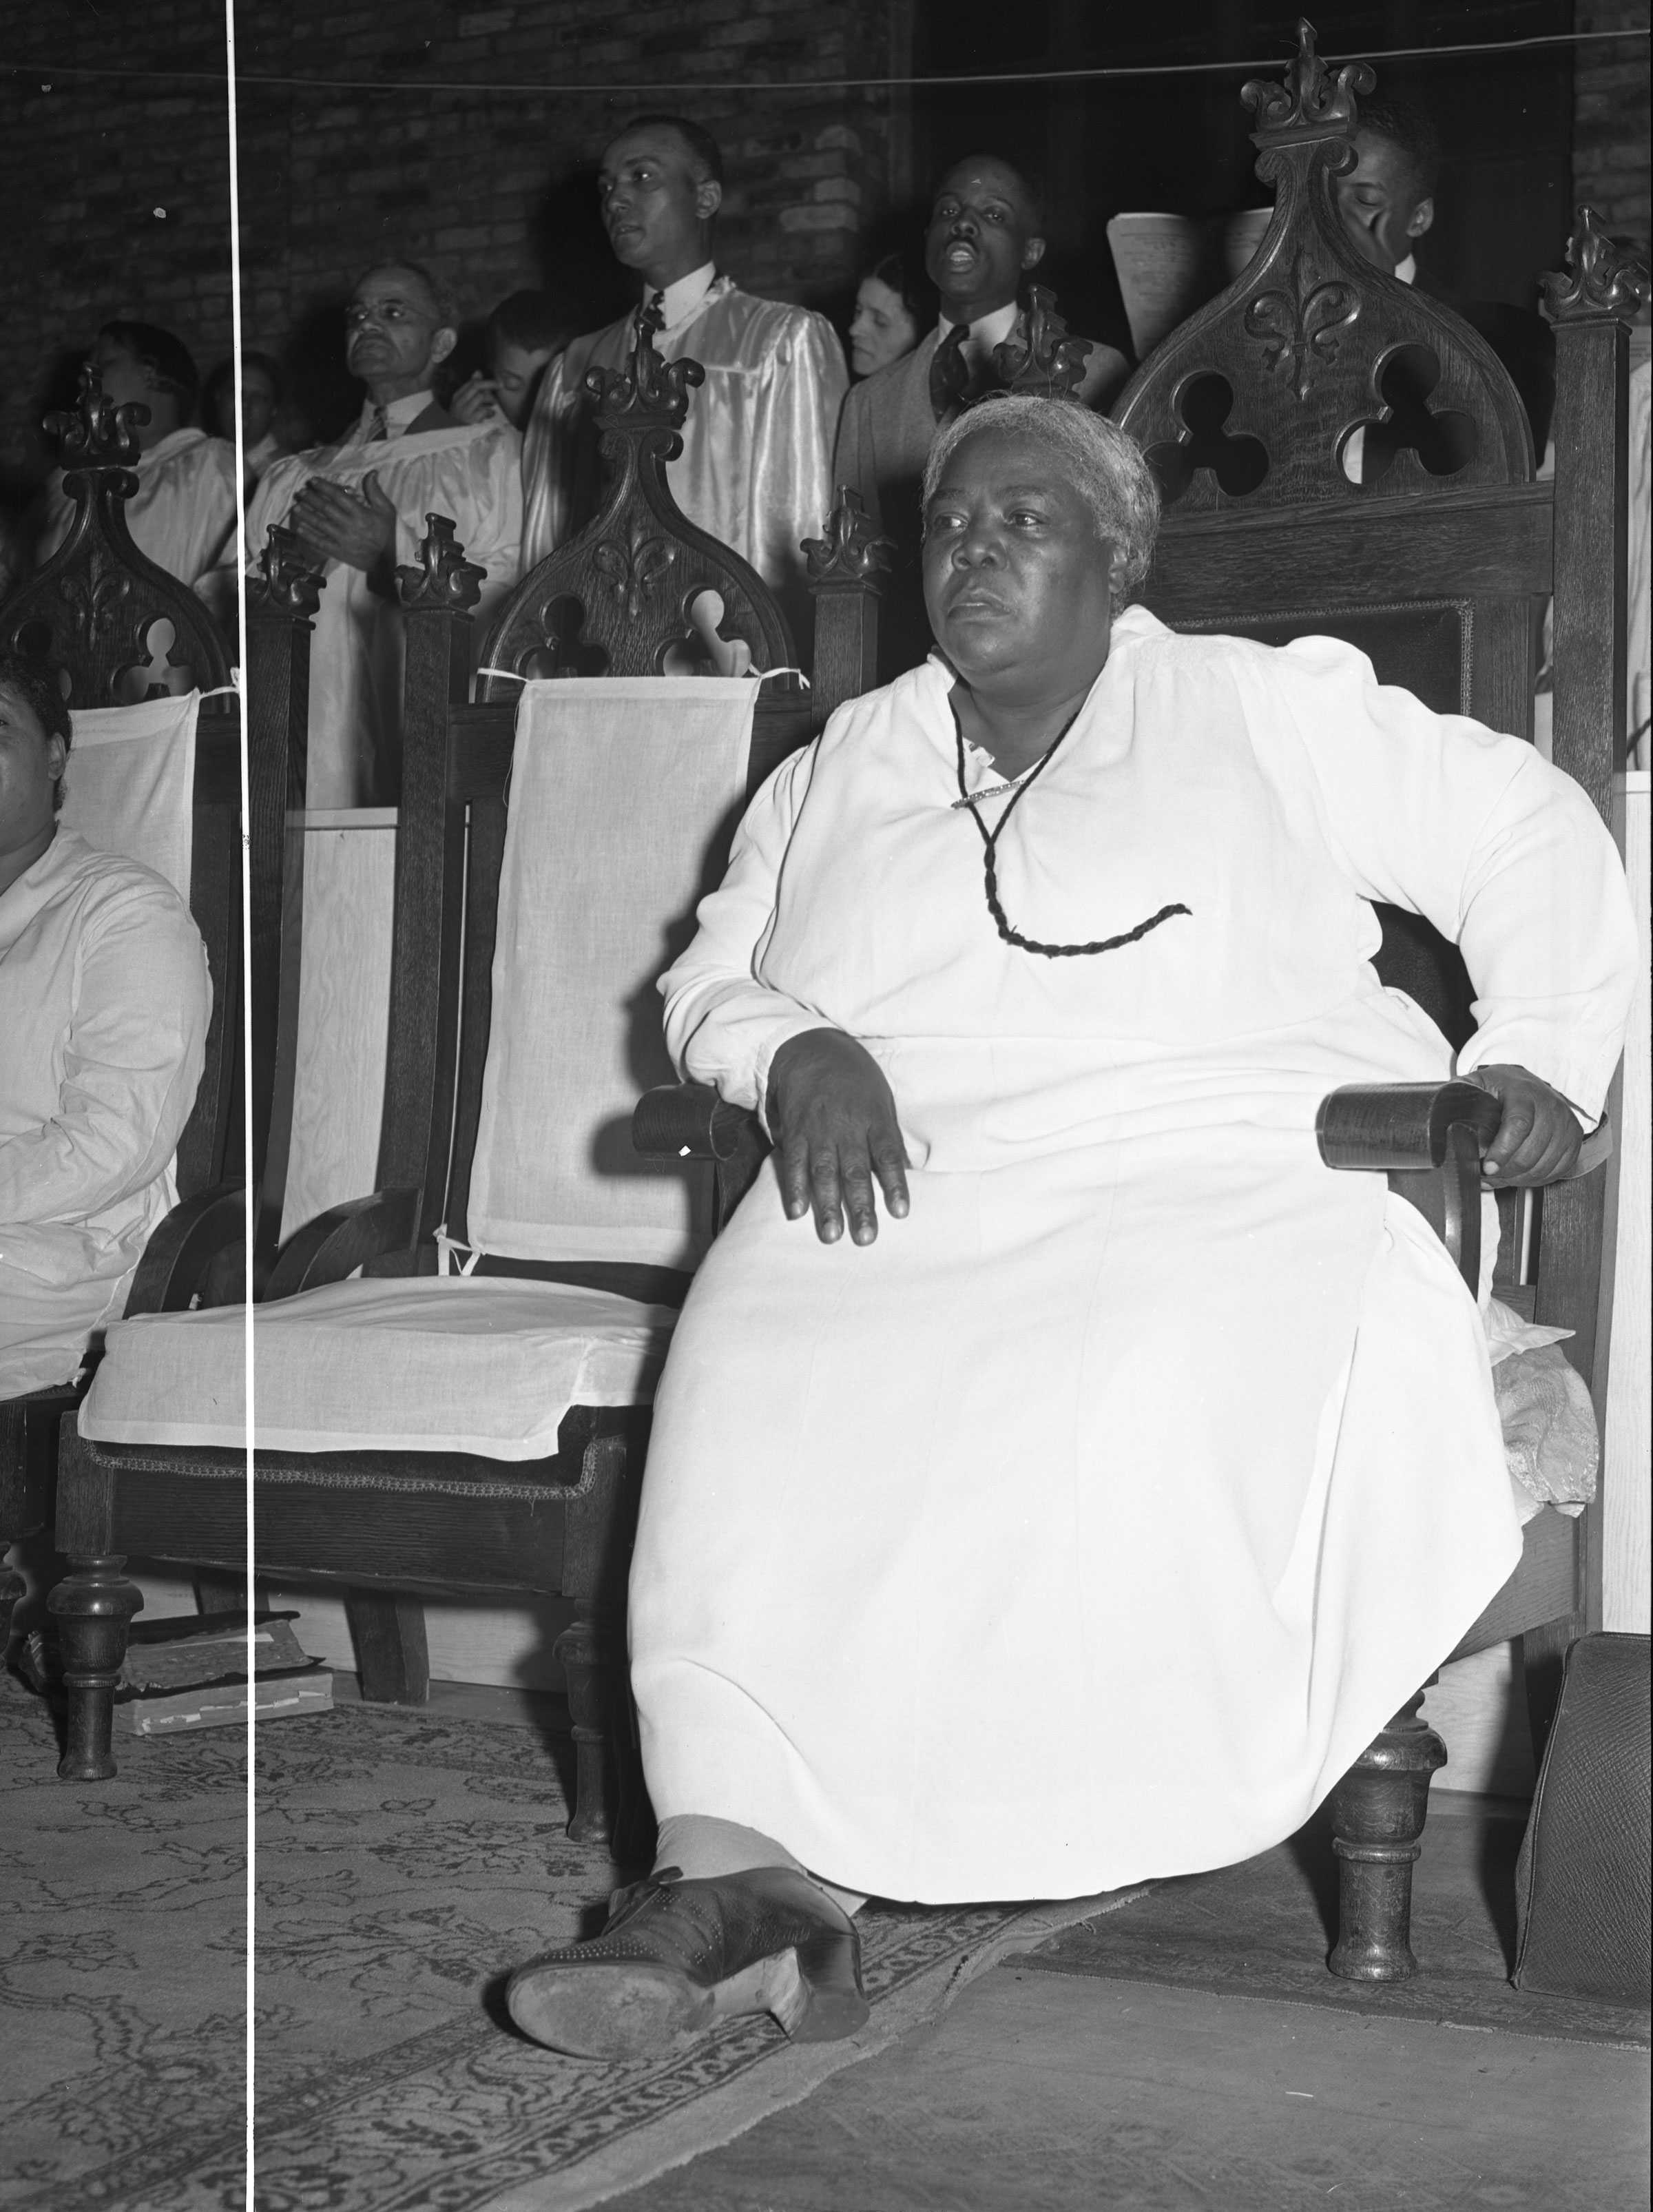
(571, 250)
(324, 396)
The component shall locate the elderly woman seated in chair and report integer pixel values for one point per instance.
(1083, 1520)
(104, 1000)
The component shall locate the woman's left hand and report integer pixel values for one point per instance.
(1539, 1137)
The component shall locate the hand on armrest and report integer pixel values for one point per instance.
(1526, 1133)
(337, 1242)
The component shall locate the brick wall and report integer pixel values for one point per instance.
(117, 198)
(489, 187)
(492, 186)
(1610, 164)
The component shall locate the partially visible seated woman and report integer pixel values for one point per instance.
(104, 999)
(1083, 1520)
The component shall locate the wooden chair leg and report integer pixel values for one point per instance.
(13, 1591)
(93, 1608)
(1378, 1811)
(387, 1631)
(608, 1805)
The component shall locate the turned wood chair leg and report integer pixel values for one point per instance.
(608, 1805)
(13, 1591)
(93, 1608)
(1378, 1811)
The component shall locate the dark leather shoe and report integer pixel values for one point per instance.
(677, 1956)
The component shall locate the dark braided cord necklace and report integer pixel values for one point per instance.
(989, 867)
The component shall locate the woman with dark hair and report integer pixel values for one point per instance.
(104, 1000)
(892, 312)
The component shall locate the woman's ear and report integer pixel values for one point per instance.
(1421, 218)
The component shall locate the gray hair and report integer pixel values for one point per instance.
(1098, 458)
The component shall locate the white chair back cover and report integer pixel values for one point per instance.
(622, 791)
(344, 998)
(131, 785)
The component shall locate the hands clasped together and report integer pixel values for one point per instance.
(355, 528)
(838, 1142)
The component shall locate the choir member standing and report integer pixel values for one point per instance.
(755, 467)
(986, 232)
(361, 504)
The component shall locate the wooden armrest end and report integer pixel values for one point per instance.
(190, 1255)
(1401, 1127)
(689, 1119)
(343, 1238)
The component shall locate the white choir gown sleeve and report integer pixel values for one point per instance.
(1504, 855)
(790, 476)
(478, 482)
(547, 448)
(131, 1064)
(723, 1024)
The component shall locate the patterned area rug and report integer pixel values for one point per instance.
(405, 1864)
(1262, 1929)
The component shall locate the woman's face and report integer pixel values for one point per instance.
(1017, 576)
(258, 403)
(882, 331)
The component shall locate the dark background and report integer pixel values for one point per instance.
(116, 186)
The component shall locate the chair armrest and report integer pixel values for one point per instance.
(179, 1260)
(1401, 1127)
(688, 1121)
(343, 1238)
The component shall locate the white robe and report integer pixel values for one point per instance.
(756, 470)
(104, 999)
(182, 515)
(1088, 1526)
(470, 472)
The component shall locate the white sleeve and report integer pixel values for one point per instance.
(1503, 853)
(723, 1025)
(132, 1063)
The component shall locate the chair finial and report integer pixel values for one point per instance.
(1311, 102)
(1601, 277)
(651, 394)
(852, 553)
(443, 577)
(97, 434)
(1048, 361)
(288, 578)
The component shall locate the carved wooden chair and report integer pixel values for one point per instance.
(1262, 415)
(116, 629)
(628, 597)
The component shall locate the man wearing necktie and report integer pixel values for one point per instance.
(359, 505)
(985, 232)
(755, 467)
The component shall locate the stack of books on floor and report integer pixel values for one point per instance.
(192, 1673)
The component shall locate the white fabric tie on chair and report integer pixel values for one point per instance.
(623, 792)
(130, 783)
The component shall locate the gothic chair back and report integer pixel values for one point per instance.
(1339, 453)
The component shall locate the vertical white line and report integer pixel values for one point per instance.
(247, 1036)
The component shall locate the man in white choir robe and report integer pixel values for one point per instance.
(361, 505)
(182, 516)
(756, 470)
(986, 232)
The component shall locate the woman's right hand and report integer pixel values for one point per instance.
(832, 1116)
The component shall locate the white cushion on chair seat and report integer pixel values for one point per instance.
(482, 1364)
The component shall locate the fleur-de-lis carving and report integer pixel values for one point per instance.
(634, 571)
(94, 601)
(1299, 329)
(650, 387)
(97, 434)
(443, 577)
(1311, 102)
(1601, 278)
(1040, 356)
(852, 551)
(289, 577)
